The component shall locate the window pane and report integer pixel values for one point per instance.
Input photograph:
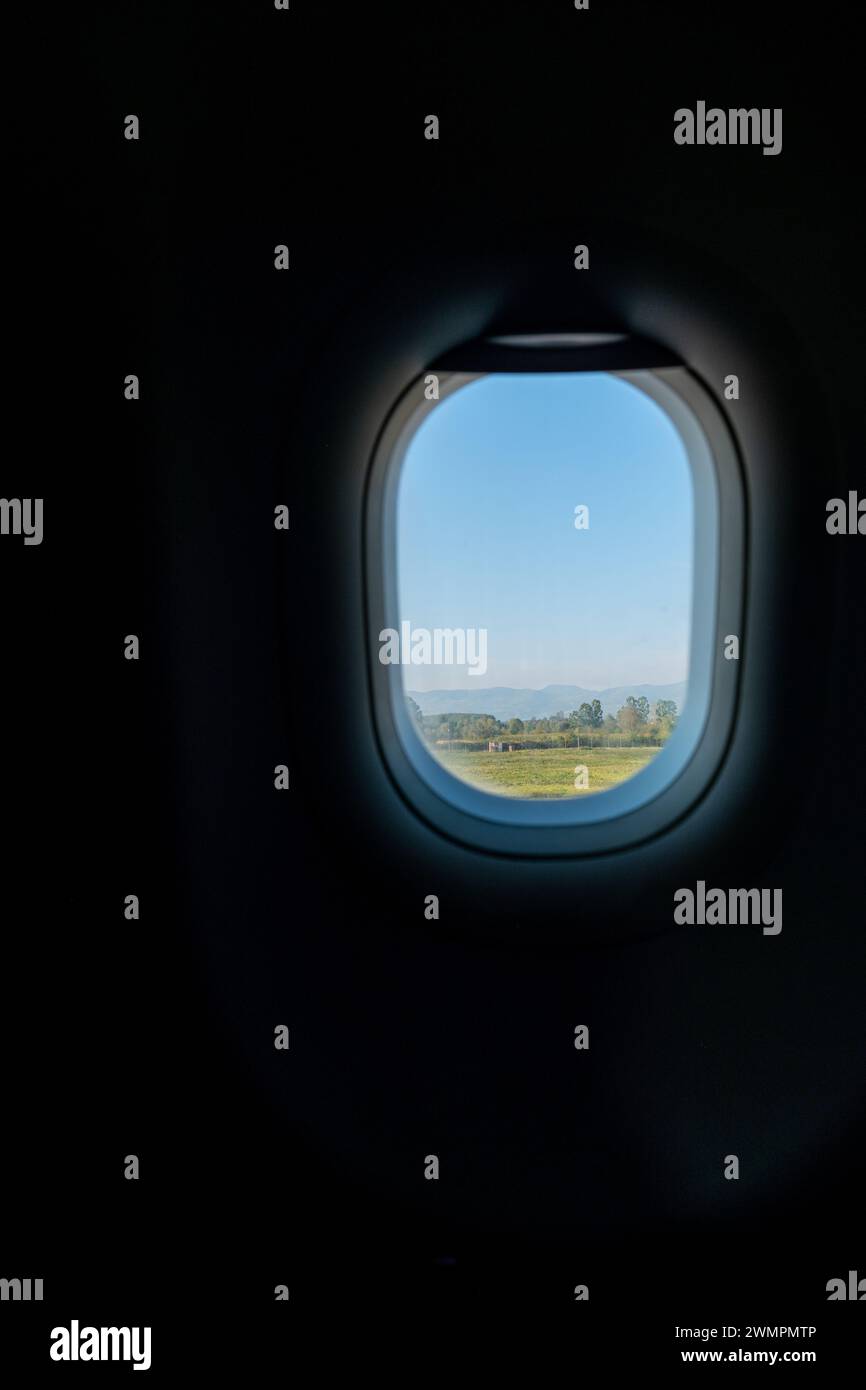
(544, 582)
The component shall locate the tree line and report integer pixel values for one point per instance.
(586, 726)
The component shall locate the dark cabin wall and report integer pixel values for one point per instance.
(409, 1037)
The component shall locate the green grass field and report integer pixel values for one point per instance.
(544, 772)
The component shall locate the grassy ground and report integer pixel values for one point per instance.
(544, 772)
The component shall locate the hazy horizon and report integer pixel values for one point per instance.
(527, 702)
(538, 689)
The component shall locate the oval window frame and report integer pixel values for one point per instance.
(646, 804)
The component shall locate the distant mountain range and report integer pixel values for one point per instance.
(505, 702)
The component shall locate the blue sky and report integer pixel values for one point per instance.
(486, 535)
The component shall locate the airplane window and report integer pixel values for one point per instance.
(544, 583)
(549, 596)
